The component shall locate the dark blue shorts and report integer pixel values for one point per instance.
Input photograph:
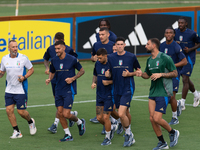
(187, 69)
(161, 103)
(53, 86)
(19, 99)
(64, 100)
(176, 83)
(107, 103)
(124, 100)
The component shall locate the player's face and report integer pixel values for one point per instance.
(13, 48)
(102, 59)
(120, 46)
(103, 24)
(169, 34)
(182, 24)
(149, 46)
(114, 49)
(103, 35)
(59, 50)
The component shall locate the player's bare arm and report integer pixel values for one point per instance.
(156, 76)
(108, 74)
(28, 74)
(187, 50)
(183, 62)
(94, 82)
(2, 73)
(78, 75)
(51, 75)
(46, 64)
(107, 82)
(145, 75)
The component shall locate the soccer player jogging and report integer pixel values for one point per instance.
(171, 48)
(49, 54)
(161, 69)
(121, 67)
(15, 65)
(63, 66)
(106, 23)
(189, 42)
(104, 103)
(103, 43)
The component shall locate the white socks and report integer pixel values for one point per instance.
(196, 94)
(108, 134)
(79, 121)
(56, 122)
(174, 114)
(67, 131)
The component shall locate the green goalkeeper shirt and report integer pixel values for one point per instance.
(163, 63)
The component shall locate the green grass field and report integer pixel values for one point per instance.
(28, 7)
(40, 96)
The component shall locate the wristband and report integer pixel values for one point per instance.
(24, 78)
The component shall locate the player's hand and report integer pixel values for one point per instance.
(125, 73)
(47, 81)
(155, 76)
(47, 71)
(93, 85)
(107, 73)
(138, 72)
(94, 58)
(178, 42)
(186, 49)
(20, 78)
(69, 80)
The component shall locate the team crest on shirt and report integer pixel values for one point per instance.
(157, 63)
(102, 70)
(166, 50)
(18, 63)
(120, 62)
(181, 38)
(61, 66)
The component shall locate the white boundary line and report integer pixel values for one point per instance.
(135, 98)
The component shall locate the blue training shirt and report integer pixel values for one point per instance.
(118, 64)
(51, 53)
(112, 37)
(174, 51)
(108, 47)
(188, 38)
(63, 69)
(99, 71)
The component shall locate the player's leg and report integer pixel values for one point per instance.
(173, 103)
(156, 127)
(196, 94)
(21, 103)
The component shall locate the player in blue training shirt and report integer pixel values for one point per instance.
(106, 23)
(189, 42)
(122, 65)
(103, 43)
(171, 48)
(104, 95)
(63, 66)
(49, 54)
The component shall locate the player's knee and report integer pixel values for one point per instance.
(9, 111)
(121, 115)
(99, 117)
(21, 112)
(151, 118)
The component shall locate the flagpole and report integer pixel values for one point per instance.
(17, 5)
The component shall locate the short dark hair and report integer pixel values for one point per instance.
(60, 42)
(171, 29)
(59, 36)
(107, 23)
(184, 18)
(104, 29)
(120, 39)
(12, 41)
(101, 51)
(156, 42)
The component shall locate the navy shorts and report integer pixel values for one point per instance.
(53, 86)
(187, 69)
(124, 100)
(64, 100)
(19, 99)
(161, 103)
(107, 103)
(176, 83)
